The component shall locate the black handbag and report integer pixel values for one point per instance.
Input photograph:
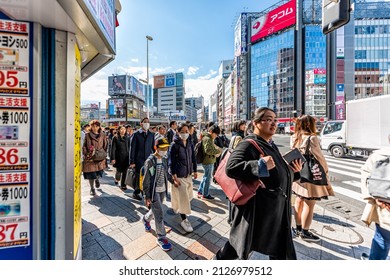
(312, 171)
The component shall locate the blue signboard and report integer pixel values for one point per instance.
(170, 80)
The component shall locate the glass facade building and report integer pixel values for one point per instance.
(272, 73)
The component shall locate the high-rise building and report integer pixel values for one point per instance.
(169, 93)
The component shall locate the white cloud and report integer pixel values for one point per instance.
(202, 86)
(192, 70)
(95, 89)
(135, 60)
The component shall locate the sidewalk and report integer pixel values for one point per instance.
(112, 229)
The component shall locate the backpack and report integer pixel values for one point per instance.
(378, 183)
(199, 153)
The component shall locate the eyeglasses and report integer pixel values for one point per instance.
(269, 121)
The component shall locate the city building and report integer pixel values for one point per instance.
(127, 100)
(169, 93)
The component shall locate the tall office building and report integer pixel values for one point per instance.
(169, 93)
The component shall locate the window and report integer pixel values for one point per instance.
(332, 127)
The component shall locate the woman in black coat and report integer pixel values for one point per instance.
(120, 156)
(263, 224)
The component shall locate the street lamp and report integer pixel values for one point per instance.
(148, 38)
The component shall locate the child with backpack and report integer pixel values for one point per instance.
(155, 187)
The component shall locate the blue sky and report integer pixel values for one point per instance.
(190, 36)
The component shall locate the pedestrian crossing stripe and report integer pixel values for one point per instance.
(346, 161)
(348, 193)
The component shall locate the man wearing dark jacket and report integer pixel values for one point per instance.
(171, 131)
(142, 146)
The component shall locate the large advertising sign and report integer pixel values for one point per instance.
(117, 85)
(115, 107)
(159, 81)
(15, 135)
(135, 87)
(170, 80)
(103, 12)
(274, 21)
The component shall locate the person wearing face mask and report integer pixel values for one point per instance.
(142, 146)
(182, 165)
(155, 186)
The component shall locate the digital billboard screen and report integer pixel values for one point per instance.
(274, 21)
(117, 85)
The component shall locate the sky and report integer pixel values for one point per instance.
(189, 36)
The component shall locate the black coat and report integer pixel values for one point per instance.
(170, 135)
(181, 159)
(264, 223)
(120, 152)
(142, 146)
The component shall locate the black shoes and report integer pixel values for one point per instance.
(97, 184)
(308, 236)
(92, 192)
(137, 196)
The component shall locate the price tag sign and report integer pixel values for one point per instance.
(15, 144)
(14, 57)
(14, 209)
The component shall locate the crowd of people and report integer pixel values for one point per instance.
(164, 162)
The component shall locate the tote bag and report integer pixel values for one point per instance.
(237, 191)
(312, 171)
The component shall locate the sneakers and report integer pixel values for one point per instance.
(185, 224)
(164, 244)
(208, 196)
(97, 184)
(295, 232)
(364, 257)
(147, 225)
(308, 236)
(137, 196)
(200, 195)
(92, 192)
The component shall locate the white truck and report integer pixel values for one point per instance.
(366, 128)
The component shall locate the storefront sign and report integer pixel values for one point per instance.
(15, 132)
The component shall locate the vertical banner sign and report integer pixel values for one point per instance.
(15, 129)
(77, 158)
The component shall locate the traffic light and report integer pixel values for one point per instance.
(335, 13)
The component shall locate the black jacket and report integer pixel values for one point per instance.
(264, 223)
(181, 159)
(142, 146)
(170, 135)
(120, 152)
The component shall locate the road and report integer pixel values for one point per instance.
(345, 179)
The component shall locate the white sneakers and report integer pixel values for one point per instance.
(185, 224)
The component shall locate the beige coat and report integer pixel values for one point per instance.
(99, 143)
(308, 190)
(372, 212)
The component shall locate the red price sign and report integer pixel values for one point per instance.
(7, 232)
(12, 160)
(9, 79)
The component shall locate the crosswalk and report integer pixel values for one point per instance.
(345, 176)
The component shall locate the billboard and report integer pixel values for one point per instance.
(159, 81)
(115, 107)
(274, 21)
(117, 85)
(135, 87)
(170, 80)
(226, 68)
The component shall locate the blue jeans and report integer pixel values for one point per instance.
(205, 184)
(380, 245)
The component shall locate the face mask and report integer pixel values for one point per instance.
(162, 153)
(146, 126)
(184, 136)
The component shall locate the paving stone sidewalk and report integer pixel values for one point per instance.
(112, 229)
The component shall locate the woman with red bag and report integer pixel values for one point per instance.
(263, 224)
